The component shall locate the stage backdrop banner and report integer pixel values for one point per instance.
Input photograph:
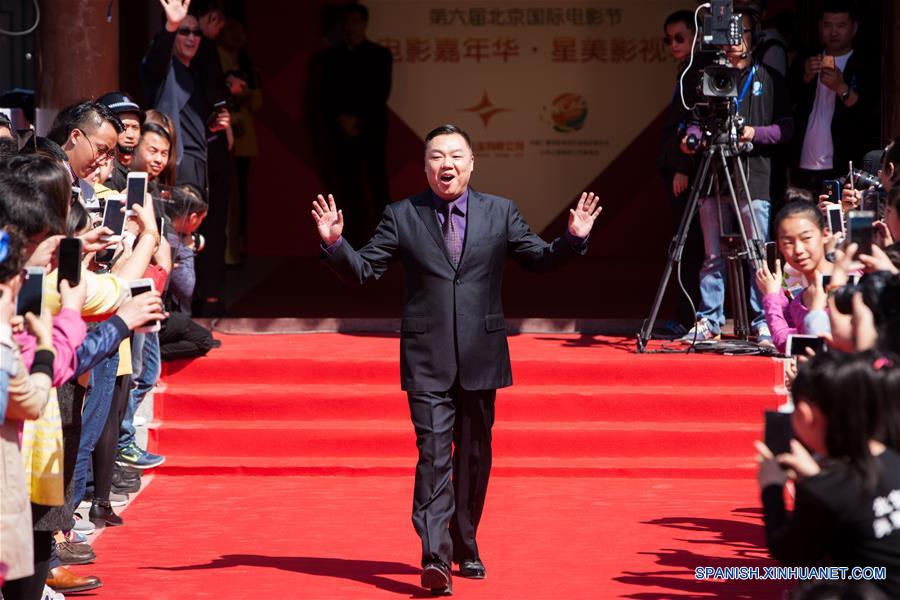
(551, 92)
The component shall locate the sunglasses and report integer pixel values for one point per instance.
(186, 32)
(668, 41)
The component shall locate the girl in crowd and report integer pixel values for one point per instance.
(801, 235)
(847, 503)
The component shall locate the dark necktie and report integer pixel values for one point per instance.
(452, 239)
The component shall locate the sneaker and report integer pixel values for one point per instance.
(116, 499)
(139, 421)
(49, 594)
(75, 537)
(82, 525)
(764, 337)
(134, 456)
(699, 332)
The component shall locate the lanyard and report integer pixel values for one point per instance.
(740, 99)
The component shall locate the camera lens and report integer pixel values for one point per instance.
(722, 84)
(843, 298)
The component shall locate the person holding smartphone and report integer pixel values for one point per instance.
(837, 100)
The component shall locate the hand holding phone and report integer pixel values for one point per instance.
(779, 432)
(143, 286)
(797, 344)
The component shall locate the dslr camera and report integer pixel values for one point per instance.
(880, 291)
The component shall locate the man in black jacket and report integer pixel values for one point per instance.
(453, 243)
(837, 95)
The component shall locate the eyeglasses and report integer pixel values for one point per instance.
(102, 156)
(185, 31)
(668, 41)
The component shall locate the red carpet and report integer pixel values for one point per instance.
(616, 475)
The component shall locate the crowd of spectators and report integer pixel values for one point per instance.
(80, 351)
(813, 117)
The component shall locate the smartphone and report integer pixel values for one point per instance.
(828, 62)
(771, 255)
(69, 261)
(114, 216)
(835, 218)
(135, 190)
(138, 287)
(832, 189)
(824, 280)
(797, 344)
(859, 225)
(779, 432)
(211, 120)
(31, 296)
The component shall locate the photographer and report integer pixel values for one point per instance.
(763, 103)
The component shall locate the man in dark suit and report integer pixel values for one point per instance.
(453, 243)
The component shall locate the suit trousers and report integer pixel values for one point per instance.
(453, 435)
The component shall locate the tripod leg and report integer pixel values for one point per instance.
(675, 250)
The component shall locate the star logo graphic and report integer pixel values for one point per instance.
(486, 109)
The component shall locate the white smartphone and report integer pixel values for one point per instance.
(835, 219)
(136, 190)
(797, 344)
(138, 287)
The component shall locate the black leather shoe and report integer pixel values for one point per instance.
(70, 553)
(125, 480)
(102, 514)
(436, 577)
(472, 568)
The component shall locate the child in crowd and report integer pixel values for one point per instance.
(801, 235)
(848, 497)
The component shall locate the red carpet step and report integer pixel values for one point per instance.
(331, 404)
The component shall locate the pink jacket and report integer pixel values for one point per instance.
(783, 316)
(69, 331)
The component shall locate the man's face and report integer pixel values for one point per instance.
(187, 39)
(836, 31)
(151, 155)
(678, 40)
(88, 150)
(354, 29)
(129, 137)
(449, 163)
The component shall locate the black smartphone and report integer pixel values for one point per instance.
(826, 281)
(797, 344)
(136, 189)
(114, 216)
(832, 189)
(859, 225)
(31, 296)
(214, 115)
(771, 255)
(138, 287)
(779, 432)
(69, 261)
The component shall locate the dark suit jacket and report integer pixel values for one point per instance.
(452, 318)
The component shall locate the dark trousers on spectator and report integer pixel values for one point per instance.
(32, 588)
(181, 337)
(453, 434)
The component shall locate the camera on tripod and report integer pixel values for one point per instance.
(722, 27)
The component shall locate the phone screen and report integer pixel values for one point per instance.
(137, 187)
(835, 219)
(31, 296)
(771, 255)
(797, 344)
(860, 226)
(779, 432)
(69, 261)
(113, 217)
(142, 286)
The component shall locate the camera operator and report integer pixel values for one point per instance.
(763, 103)
(837, 93)
(676, 167)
